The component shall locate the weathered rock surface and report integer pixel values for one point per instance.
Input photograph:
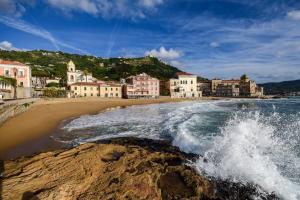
(123, 168)
(105, 171)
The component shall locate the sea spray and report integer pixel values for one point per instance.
(249, 149)
(246, 141)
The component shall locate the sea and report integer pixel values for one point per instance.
(246, 141)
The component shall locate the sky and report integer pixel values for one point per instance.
(210, 38)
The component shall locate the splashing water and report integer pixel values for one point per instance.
(246, 141)
(251, 149)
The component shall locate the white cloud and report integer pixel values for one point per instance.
(150, 3)
(214, 44)
(86, 6)
(164, 53)
(37, 31)
(295, 14)
(5, 45)
(107, 8)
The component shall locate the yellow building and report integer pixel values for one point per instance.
(85, 89)
(185, 86)
(110, 90)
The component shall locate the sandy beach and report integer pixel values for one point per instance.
(45, 115)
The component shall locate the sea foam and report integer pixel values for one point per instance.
(252, 149)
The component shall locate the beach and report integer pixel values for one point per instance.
(46, 114)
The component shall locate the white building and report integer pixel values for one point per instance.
(185, 86)
(75, 76)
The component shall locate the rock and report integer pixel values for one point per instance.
(122, 168)
(105, 171)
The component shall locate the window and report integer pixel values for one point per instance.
(84, 88)
(21, 73)
(91, 94)
(106, 95)
(21, 84)
(98, 95)
(116, 89)
(85, 94)
(91, 88)
(75, 88)
(117, 94)
(111, 89)
(72, 78)
(191, 82)
(106, 89)
(6, 72)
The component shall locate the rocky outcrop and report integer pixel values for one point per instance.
(114, 169)
(104, 171)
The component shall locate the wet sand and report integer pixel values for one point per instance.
(29, 132)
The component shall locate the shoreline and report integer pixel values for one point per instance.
(29, 132)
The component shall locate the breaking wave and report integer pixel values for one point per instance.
(259, 149)
(247, 141)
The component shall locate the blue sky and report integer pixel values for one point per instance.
(211, 38)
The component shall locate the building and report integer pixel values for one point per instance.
(205, 87)
(22, 74)
(6, 88)
(75, 76)
(227, 90)
(111, 90)
(185, 86)
(94, 89)
(141, 86)
(243, 87)
(224, 84)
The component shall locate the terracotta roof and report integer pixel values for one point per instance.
(8, 62)
(182, 73)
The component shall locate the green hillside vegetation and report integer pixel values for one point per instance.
(281, 88)
(54, 64)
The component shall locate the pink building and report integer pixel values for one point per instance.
(20, 72)
(141, 86)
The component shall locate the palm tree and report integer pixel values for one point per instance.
(85, 73)
(244, 77)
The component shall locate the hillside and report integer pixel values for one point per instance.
(284, 87)
(53, 64)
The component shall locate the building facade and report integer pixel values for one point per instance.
(141, 86)
(185, 86)
(243, 87)
(94, 89)
(224, 90)
(75, 76)
(6, 89)
(205, 87)
(22, 74)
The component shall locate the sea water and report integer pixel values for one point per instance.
(242, 140)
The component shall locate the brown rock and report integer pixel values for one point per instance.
(105, 171)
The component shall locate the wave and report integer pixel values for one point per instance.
(245, 141)
(257, 149)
